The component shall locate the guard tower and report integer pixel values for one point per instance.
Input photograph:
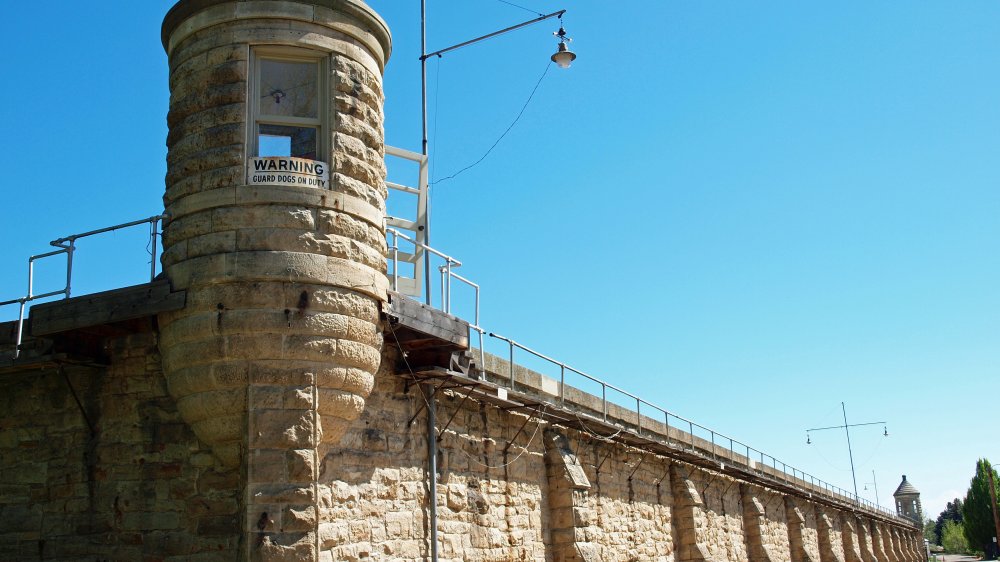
(908, 501)
(275, 193)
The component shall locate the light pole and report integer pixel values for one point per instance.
(847, 431)
(562, 57)
(874, 482)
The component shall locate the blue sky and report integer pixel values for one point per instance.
(744, 212)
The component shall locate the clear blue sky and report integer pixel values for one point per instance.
(745, 212)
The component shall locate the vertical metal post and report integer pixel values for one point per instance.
(448, 292)
(511, 344)
(849, 451)
(604, 400)
(69, 265)
(31, 278)
(444, 299)
(429, 393)
(562, 384)
(152, 243)
(431, 411)
(638, 415)
(20, 328)
(425, 151)
(875, 483)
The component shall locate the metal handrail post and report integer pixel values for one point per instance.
(511, 344)
(69, 266)
(638, 417)
(444, 306)
(448, 292)
(31, 278)
(20, 328)
(152, 242)
(604, 400)
(562, 384)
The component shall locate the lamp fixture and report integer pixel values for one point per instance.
(563, 57)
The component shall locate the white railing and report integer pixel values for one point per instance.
(716, 444)
(67, 246)
(447, 271)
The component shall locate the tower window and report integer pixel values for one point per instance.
(287, 104)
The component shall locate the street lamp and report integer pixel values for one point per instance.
(562, 57)
(850, 452)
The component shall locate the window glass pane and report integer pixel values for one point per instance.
(289, 89)
(282, 140)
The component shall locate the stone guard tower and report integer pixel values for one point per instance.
(908, 501)
(276, 201)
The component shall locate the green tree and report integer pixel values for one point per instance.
(930, 531)
(953, 538)
(977, 510)
(952, 512)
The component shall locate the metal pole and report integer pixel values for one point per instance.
(152, 242)
(850, 452)
(424, 147)
(431, 408)
(432, 465)
(875, 483)
(69, 265)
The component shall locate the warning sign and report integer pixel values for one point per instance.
(284, 170)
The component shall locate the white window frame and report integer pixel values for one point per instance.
(254, 117)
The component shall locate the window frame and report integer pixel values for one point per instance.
(259, 53)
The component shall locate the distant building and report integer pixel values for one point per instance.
(908, 501)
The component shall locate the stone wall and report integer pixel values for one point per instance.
(95, 463)
(141, 486)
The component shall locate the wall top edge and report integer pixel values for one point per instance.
(184, 9)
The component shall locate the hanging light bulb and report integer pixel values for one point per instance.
(885, 431)
(808, 439)
(563, 57)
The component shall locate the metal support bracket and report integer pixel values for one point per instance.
(606, 457)
(455, 413)
(511, 441)
(636, 469)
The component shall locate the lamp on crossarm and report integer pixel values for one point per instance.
(563, 57)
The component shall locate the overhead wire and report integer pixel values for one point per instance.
(516, 119)
(519, 455)
(522, 7)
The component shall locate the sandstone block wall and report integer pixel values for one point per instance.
(118, 476)
(143, 487)
(277, 348)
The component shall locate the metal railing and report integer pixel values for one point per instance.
(720, 447)
(67, 246)
(448, 274)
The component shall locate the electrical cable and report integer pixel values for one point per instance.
(595, 435)
(519, 455)
(407, 363)
(516, 119)
(522, 7)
